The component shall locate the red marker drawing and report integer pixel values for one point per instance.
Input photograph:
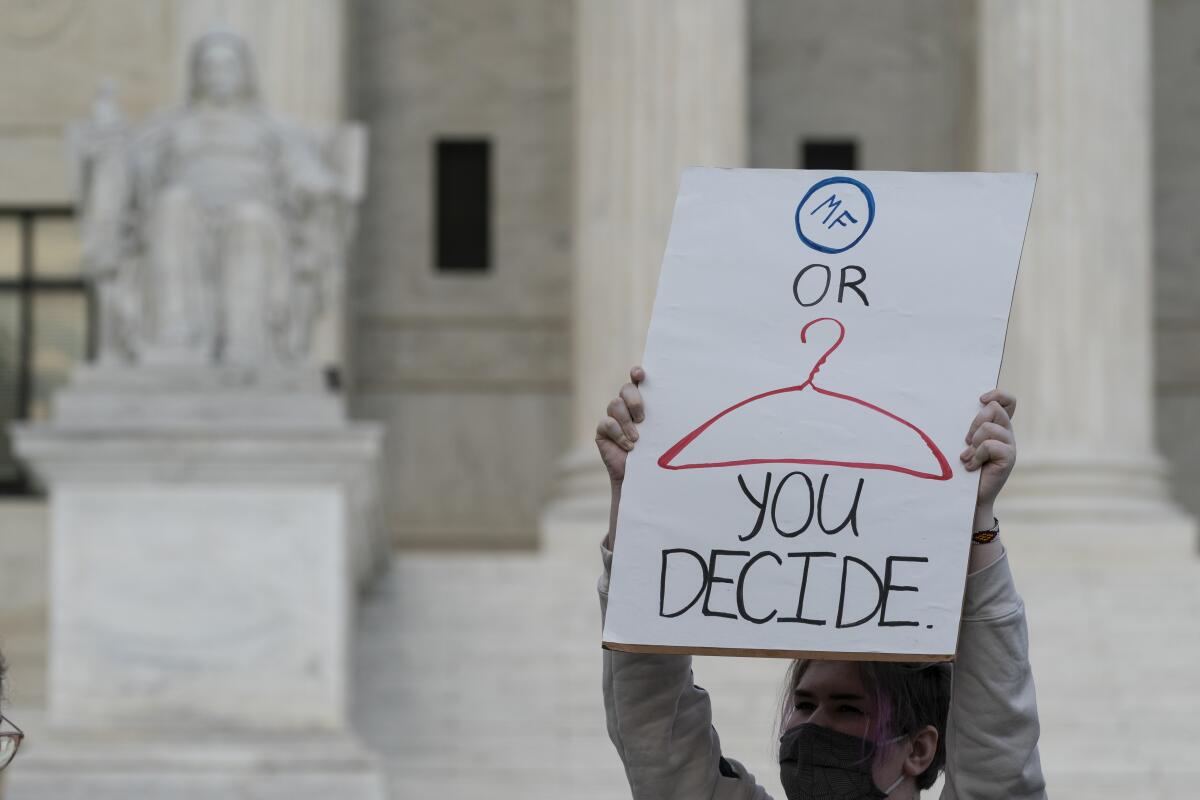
(668, 459)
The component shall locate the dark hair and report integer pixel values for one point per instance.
(908, 697)
(3, 673)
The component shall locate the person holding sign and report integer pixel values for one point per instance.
(850, 729)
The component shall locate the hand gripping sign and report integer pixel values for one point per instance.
(819, 342)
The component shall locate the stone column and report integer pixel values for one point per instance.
(659, 86)
(1064, 91)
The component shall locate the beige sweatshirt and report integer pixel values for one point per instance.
(661, 722)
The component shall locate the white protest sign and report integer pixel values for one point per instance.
(816, 355)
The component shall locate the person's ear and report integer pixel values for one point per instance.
(924, 748)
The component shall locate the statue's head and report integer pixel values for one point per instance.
(221, 70)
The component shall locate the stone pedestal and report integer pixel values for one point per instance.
(226, 425)
(660, 86)
(1064, 91)
(208, 530)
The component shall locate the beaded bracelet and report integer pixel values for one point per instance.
(989, 535)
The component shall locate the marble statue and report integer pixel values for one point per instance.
(215, 231)
(206, 592)
(104, 192)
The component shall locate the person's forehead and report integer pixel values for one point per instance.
(831, 677)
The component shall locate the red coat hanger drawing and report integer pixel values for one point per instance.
(672, 460)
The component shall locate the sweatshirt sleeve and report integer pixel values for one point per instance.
(661, 724)
(992, 731)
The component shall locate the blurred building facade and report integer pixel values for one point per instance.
(492, 126)
(465, 351)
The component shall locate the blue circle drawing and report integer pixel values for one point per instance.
(866, 226)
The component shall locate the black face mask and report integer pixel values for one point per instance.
(817, 763)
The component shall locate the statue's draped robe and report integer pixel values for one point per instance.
(225, 200)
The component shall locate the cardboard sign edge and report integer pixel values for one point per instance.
(821, 655)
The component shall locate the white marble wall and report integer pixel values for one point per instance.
(179, 606)
(446, 361)
(53, 54)
(895, 76)
(469, 371)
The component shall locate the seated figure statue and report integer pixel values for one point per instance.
(215, 232)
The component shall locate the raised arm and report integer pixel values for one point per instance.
(658, 719)
(992, 731)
